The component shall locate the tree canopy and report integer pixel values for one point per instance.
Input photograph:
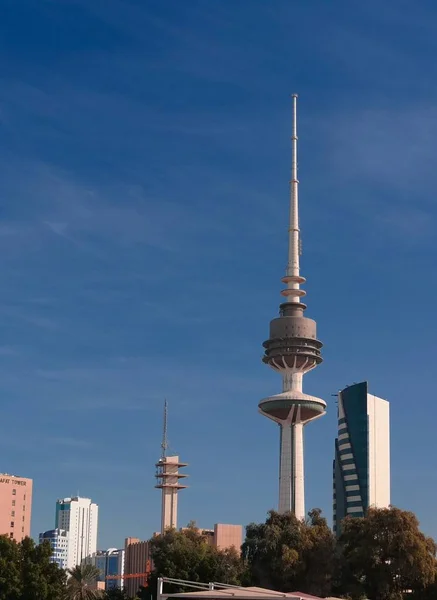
(81, 583)
(287, 554)
(188, 555)
(381, 556)
(26, 572)
(384, 555)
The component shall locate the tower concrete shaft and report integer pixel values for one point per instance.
(292, 350)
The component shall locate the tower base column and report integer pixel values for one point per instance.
(291, 470)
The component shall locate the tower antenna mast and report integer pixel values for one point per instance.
(292, 278)
(164, 443)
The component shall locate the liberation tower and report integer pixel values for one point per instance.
(292, 350)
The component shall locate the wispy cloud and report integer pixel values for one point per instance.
(9, 351)
(30, 440)
(130, 385)
(412, 224)
(388, 147)
(29, 316)
(69, 442)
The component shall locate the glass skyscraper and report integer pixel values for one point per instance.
(362, 454)
(111, 566)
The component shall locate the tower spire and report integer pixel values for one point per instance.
(292, 278)
(164, 443)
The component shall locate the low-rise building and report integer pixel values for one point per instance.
(137, 563)
(110, 563)
(223, 536)
(58, 539)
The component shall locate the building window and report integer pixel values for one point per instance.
(23, 519)
(22, 530)
(13, 513)
(11, 534)
(12, 524)
(24, 497)
(14, 492)
(13, 502)
(24, 507)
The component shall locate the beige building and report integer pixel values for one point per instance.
(138, 561)
(137, 564)
(15, 506)
(223, 536)
(228, 536)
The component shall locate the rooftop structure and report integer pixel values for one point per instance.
(217, 591)
(292, 350)
(168, 480)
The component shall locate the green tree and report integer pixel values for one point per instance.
(115, 594)
(288, 554)
(384, 555)
(10, 571)
(26, 572)
(188, 555)
(81, 583)
(40, 578)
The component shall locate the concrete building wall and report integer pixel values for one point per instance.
(228, 536)
(378, 411)
(136, 557)
(15, 506)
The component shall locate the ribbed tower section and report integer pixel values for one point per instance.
(168, 481)
(292, 350)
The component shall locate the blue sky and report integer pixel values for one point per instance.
(144, 174)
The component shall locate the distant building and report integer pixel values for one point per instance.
(58, 539)
(111, 566)
(15, 506)
(79, 517)
(228, 536)
(137, 562)
(222, 536)
(362, 453)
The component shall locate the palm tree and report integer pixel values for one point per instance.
(81, 583)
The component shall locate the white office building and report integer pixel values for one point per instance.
(79, 517)
(362, 453)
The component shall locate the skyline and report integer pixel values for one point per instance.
(144, 183)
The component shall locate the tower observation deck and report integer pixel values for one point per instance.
(292, 350)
